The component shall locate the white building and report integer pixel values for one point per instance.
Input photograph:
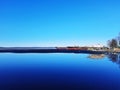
(98, 45)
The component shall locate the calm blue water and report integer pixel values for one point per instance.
(58, 72)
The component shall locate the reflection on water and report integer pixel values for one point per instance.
(112, 57)
(115, 58)
(96, 56)
(58, 72)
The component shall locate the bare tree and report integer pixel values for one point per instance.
(113, 43)
(108, 43)
(118, 39)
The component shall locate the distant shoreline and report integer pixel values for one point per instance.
(48, 50)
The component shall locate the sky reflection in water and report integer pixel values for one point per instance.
(58, 71)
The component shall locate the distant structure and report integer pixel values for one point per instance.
(97, 45)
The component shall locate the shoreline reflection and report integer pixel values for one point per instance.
(115, 58)
(96, 56)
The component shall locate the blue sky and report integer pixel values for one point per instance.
(58, 22)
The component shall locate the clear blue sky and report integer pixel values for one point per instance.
(58, 22)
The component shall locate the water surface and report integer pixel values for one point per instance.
(58, 72)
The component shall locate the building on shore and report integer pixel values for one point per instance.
(96, 47)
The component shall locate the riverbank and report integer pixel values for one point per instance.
(55, 50)
(48, 50)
